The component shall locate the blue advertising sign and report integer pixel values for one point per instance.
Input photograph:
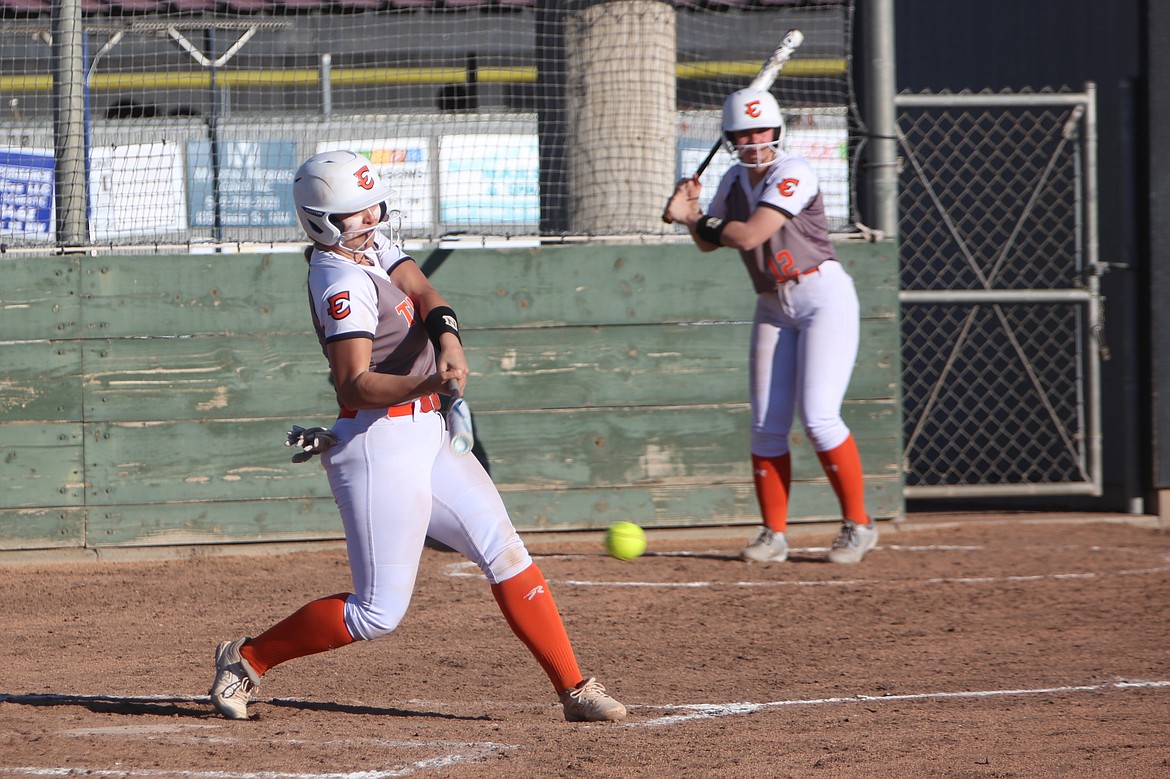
(487, 179)
(26, 193)
(255, 183)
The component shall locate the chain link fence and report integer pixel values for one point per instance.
(1001, 314)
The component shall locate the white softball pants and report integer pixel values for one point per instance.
(804, 343)
(396, 482)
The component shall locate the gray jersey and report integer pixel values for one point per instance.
(791, 187)
(349, 300)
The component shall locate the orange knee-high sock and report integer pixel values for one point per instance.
(315, 627)
(843, 467)
(532, 614)
(773, 478)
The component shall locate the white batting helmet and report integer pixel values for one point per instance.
(336, 183)
(752, 109)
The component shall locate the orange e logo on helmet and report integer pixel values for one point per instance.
(752, 109)
(364, 177)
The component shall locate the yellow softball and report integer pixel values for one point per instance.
(625, 540)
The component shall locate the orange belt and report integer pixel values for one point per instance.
(796, 278)
(425, 404)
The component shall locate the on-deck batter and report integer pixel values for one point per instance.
(393, 343)
(806, 328)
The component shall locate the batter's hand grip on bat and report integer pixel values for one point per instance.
(459, 421)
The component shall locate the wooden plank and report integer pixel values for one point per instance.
(160, 462)
(612, 285)
(671, 364)
(224, 377)
(41, 381)
(42, 465)
(219, 522)
(206, 294)
(665, 445)
(195, 294)
(207, 377)
(603, 285)
(316, 519)
(568, 285)
(684, 505)
(178, 460)
(46, 528)
(874, 268)
(173, 461)
(40, 298)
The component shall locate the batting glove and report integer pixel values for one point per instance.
(312, 440)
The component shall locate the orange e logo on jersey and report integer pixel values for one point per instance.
(752, 109)
(364, 177)
(339, 305)
(788, 187)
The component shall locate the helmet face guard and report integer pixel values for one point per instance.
(335, 184)
(752, 109)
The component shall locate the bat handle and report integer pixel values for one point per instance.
(698, 172)
(453, 389)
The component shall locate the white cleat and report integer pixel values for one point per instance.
(234, 681)
(853, 542)
(588, 702)
(768, 547)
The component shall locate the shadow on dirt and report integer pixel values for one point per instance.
(116, 704)
(343, 708)
(198, 706)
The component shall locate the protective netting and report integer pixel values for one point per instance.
(150, 124)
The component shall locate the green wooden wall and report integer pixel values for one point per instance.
(144, 399)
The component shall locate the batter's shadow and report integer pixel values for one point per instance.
(807, 557)
(114, 704)
(376, 711)
(201, 708)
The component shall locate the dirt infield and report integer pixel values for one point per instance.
(987, 647)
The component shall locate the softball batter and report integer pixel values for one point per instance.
(806, 328)
(393, 343)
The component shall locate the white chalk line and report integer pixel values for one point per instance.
(457, 752)
(462, 753)
(825, 549)
(201, 734)
(699, 711)
(467, 568)
(473, 751)
(422, 765)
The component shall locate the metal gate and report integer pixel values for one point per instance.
(1001, 316)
